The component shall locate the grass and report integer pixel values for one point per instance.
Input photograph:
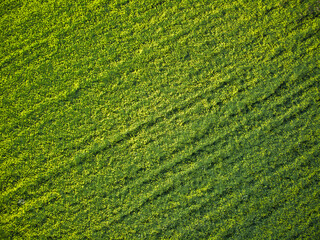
(159, 119)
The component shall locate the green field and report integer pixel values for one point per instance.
(160, 119)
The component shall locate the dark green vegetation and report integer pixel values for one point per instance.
(159, 119)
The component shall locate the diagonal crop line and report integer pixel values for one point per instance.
(91, 153)
(189, 103)
(211, 198)
(198, 150)
(167, 114)
(170, 183)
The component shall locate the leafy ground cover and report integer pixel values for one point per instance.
(159, 119)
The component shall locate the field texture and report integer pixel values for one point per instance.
(159, 119)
